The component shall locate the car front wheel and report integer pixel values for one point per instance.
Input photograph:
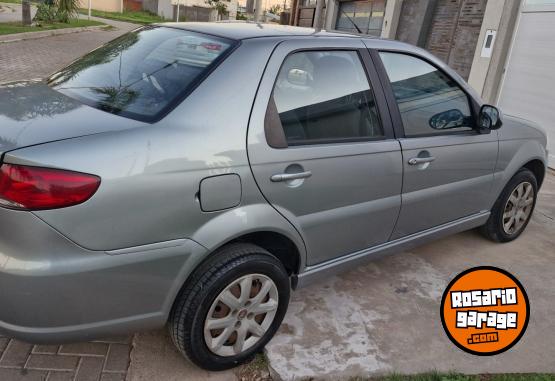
(513, 209)
(231, 307)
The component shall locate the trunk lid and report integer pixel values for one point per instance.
(32, 113)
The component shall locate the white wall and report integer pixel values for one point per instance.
(231, 5)
(527, 90)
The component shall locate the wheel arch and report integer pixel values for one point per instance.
(514, 155)
(259, 224)
(277, 244)
(537, 167)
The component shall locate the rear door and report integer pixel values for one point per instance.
(321, 146)
(448, 165)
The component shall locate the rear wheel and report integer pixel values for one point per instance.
(231, 307)
(513, 209)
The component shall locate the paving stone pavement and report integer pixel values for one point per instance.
(102, 360)
(37, 58)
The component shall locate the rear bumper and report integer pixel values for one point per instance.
(52, 290)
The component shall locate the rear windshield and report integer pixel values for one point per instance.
(142, 74)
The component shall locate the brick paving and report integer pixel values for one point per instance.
(102, 360)
(37, 58)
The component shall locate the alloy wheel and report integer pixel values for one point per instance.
(518, 208)
(241, 314)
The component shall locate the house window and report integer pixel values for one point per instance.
(366, 15)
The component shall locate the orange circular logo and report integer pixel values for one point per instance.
(485, 310)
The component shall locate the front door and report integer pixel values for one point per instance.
(448, 165)
(322, 149)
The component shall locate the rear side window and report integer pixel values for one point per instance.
(322, 97)
(142, 74)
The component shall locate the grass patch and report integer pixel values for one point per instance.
(137, 17)
(17, 27)
(255, 370)
(433, 376)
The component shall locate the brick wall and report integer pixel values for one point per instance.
(411, 19)
(454, 32)
(447, 28)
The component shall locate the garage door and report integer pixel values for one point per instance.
(528, 90)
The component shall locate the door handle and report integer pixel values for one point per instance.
(290, 176)
(421, 160)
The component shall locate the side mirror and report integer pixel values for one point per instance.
(489, 118)
(298, 77)
(447, 119)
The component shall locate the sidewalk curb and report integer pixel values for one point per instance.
(56, 32)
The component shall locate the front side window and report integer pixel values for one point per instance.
(140, 74)
(429, 101)
(324, 96)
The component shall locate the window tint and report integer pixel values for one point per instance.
(323, 97)
(139, 74)
(429, 101)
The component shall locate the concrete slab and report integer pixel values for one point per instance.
(384, 317)
(154, 357)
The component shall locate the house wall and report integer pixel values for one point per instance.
(190, 11)
(165, 9)
(197, 10)
(487, 73)
(391, 18)
(447, 28)
(454, 32)
(103, 5)
(529, 75)
(151, 6)
(414, 21)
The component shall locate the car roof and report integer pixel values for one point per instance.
(239, 30)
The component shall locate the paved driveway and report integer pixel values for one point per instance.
(37, 58)
(384, 317)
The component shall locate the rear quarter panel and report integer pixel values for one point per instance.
(151, 175)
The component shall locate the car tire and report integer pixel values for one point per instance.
(205, 302)
(510, 206)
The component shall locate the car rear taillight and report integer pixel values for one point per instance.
(34, 188)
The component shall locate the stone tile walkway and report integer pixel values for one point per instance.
(102, 360)
(37, 58)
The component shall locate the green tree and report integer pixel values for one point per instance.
(67, 9)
